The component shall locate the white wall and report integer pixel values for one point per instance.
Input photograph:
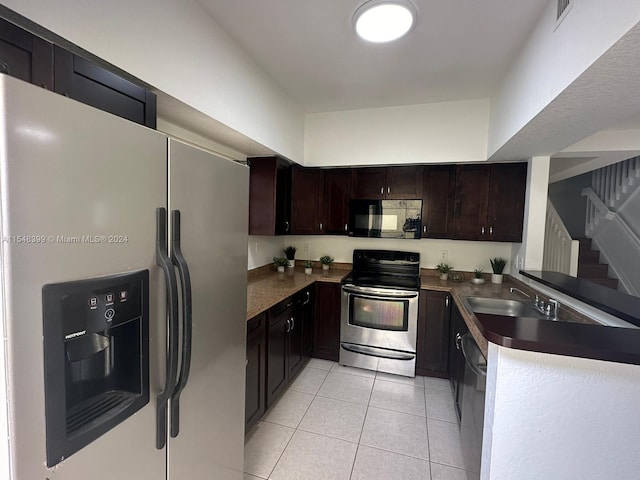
(263, 249)
(462, 255)
(551, 60)
(558, 417)
(445, 132)
(535, 209)
(178, 48)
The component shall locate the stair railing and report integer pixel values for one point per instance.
(560, 250)
(619, 245)
(614, 183)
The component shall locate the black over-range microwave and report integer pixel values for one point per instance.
(385, 218)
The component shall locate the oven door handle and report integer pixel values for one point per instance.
(378, 352)
(380, 296)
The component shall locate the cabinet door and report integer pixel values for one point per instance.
(404, 182)
(277, 368)
(269, 196)
(337, 192)
(295, 348)
(434, 313)
(25, 56)
(472, 194)
(304, 306)
(306, 201)
(438, 197)
(326, 339)
(505, 213)
(368, 183)
(94, 85)
(456, 358)
(255, 374)
(283, 198)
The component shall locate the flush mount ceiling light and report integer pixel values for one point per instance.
(384, 20)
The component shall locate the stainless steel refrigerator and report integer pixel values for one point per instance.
(113, 237)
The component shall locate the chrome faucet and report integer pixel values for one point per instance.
(548, 309)
(514, 289)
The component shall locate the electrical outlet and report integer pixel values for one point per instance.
(444, 255)
(519, 261)
(305, 248)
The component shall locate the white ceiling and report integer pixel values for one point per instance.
(460, 49)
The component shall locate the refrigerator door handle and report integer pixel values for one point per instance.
(179, 261)
(163, 261)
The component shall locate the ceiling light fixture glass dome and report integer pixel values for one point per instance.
(382, 21)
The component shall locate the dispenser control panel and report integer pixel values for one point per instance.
(95, 305)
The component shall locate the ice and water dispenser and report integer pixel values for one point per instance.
(96, 353)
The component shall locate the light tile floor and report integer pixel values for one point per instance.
(337, 423)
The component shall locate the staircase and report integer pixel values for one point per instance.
(590, 268)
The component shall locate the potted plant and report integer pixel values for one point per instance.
(497, 265)
(280, 262)
(444, 270)
(326, 260)
(308, 266)
(477, 277)
(290, 253)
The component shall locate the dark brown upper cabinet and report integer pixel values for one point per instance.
(505, 211)
(94, 85)
(307, 202)
(397, 183)
(337, 192)
(489, 202)
(269, 196)
(438, 196)
(25, 56)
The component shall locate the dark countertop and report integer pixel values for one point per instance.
(597, 342)
(618, 304)
(573, 335)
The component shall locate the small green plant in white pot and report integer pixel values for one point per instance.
(308, 267)
(444, 269)
(280, 263)
(497, 265)
(290, 253)
(326, 260)
(477, 279)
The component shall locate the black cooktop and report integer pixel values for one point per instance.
(385, 269)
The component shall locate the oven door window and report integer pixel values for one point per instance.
(381, 314)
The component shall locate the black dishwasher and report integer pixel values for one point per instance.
(472, 403)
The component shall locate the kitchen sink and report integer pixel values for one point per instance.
(502, 306)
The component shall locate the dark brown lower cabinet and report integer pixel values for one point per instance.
(432, 349)
(456, 358)
(278, 348)
(255, 370)
(326, 338)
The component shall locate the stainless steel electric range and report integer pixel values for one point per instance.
(379, 312)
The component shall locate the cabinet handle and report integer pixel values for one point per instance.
(320, 226)
(288, 329)
(381, 190)
(4, 67)
(286, 226)
(424, 229)
(446, 301)
(346, 227)
(307, 299)
(458, 340)
(388, 190)
(490, 230)
(482, 231)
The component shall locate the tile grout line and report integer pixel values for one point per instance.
(296, 428)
